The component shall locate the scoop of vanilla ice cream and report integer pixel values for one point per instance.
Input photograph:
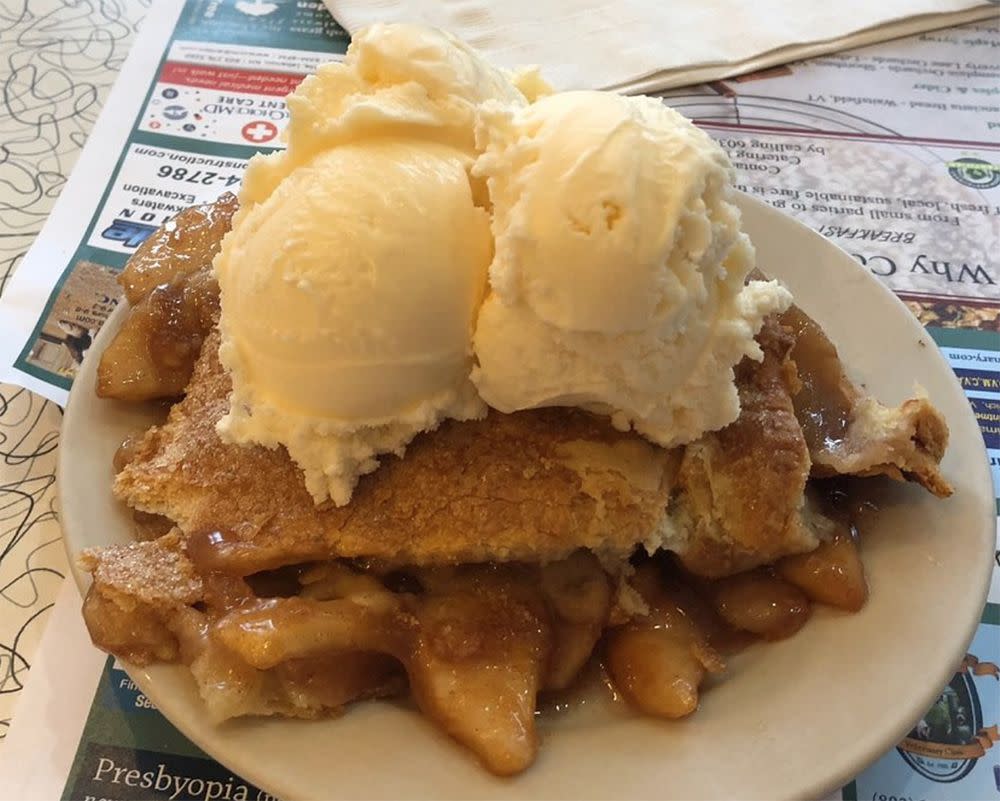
(357, 261)
(618, 277)
(349, 296)
(399, 79)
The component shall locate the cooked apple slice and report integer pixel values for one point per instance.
(266, 633)
(475, 646)
(336, 679)
(658, 662)
(174, 301)
(478, 665)
(832, 574)
(657, 669)
(184, 245)
(579, 595)
(762, 604)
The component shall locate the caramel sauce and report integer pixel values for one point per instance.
(694, 598)
(184, 245)
(592, 689)
(180, 314)
(773, 601)
(704, 620)
(224, 593)
(726, 615)
(850, 501)
(149, 526)
(823, 404)
(833, 574)
(204, 547)
(336, 679)
(174, 300)
(127, 451)
(282, 582)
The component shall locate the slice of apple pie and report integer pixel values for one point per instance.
(496, 560)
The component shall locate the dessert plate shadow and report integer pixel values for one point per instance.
(791, 720)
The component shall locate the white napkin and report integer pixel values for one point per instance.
(649, 45)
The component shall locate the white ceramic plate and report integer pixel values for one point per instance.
(792, 720)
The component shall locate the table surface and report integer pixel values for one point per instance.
(58, 61)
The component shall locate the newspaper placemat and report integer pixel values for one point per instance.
(890, 151)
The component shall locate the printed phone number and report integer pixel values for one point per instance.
(887, 797)
(203, 177)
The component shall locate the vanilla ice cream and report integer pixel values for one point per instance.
(405, 80)
(441, 235)
(357, 263)
(349, 299)
(618, 278)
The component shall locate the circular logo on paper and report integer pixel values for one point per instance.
(975, 173)
(259, 132)
(175, 112)
(950, 738)
(170, 94)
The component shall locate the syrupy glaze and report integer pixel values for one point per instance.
(203, 548)
(336, 679)
(592, 688)
(283, 582)
(182, 246)
(832, 575)
(773, 602)
(181, 312)
(849, 500)
(127, 451)
(824, 403)
(704, 620)
(687, 612)
(149, 526)
(174, 300)
(224, 551)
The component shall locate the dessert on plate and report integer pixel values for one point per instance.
(476, 385)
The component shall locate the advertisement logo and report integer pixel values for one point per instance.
(952, 736)
(975, 173)
(259, 132)
(129, 233)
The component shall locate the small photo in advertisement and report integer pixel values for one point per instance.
(83, 301)
(952, 313)
(953, 751)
